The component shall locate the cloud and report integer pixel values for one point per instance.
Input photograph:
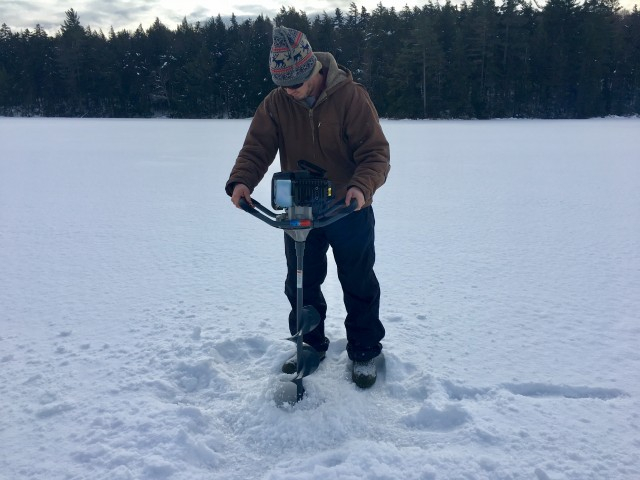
(120, 15)
(129, 14)
(98, 14)
(20, 15)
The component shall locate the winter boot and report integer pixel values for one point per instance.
(291, 365)
(364, 374)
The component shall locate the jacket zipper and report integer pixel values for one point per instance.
(313, 130)
(311, 123)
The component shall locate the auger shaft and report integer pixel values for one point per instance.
(299, 306)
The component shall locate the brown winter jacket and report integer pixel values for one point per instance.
(341, 133)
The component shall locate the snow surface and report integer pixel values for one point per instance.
(142, 316)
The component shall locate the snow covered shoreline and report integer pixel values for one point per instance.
(142, 316)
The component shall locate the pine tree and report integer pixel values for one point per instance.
(479, 29)
(323, 34)
(8, 56)
(557, 59)
(598, 62)
(380, 56)
(71, 42)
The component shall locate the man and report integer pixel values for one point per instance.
(319, 114)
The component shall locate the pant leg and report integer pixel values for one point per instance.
(352, 240)
(314, 274)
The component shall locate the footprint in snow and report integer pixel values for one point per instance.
(533, 389)
(438, 420)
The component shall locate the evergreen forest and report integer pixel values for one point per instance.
(563, 59)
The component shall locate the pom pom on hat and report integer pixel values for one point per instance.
(291, 59)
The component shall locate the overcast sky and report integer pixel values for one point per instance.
(128, 14)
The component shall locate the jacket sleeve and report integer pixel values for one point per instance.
(258, 152)
(369, 146)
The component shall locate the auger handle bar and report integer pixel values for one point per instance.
(334, 213)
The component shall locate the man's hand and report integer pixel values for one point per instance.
(355, 193)
(240, 190)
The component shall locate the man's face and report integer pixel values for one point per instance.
(302, 92)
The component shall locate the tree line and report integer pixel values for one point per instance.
(476, 60)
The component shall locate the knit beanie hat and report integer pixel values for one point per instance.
(291, 59)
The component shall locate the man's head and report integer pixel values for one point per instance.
(291, 60)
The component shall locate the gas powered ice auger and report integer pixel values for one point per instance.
(307, 198)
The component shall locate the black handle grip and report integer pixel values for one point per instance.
(335, 213)
(259, 211)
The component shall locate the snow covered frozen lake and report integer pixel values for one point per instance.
(142, 316)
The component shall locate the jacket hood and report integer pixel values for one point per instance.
(336, 74)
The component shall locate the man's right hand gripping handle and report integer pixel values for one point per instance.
(240, 190)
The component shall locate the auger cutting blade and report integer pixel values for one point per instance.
(289, 392)
(294, 338)
(310, 319)
(309, 361)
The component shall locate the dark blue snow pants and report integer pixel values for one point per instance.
(352, 243)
